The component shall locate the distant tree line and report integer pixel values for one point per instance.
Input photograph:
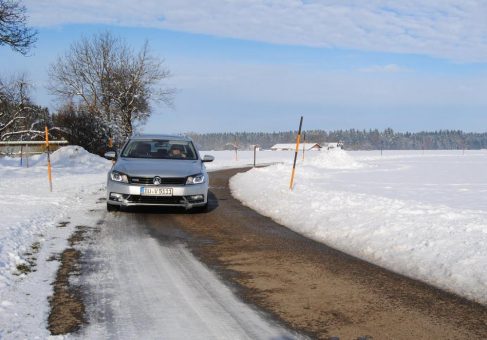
(352, 139)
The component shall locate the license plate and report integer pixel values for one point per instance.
(156, 191)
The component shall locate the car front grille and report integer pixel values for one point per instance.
(160, 199)
(164, 180)
(156, 199)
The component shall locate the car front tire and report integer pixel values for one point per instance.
(112, 207)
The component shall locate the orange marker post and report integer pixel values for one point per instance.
(48, 160)
(111, 147)
(236, 152)
(296, 153)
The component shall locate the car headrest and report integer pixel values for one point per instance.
(143, 148)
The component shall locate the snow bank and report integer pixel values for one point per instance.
(30, 215)
(333, 159)
(65, 157)
(404, 214)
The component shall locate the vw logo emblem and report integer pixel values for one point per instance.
(157, 180)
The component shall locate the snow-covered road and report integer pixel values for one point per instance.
(140, 288)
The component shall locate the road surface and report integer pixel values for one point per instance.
(234, 274)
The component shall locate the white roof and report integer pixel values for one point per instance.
(292, 146)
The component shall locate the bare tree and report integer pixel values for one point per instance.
(19, 117)
(112, 81)
(13, 29)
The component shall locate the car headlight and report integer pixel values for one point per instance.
(118, 177)
(196, 179)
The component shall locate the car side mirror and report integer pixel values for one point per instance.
(110, 155)
(208, 158)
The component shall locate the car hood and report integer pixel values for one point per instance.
(137, 167)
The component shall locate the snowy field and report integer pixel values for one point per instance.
(424, 216)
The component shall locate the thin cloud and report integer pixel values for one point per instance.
(448, 29)
(391, 68)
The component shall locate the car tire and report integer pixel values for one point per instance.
(201, 210)
(112, 207)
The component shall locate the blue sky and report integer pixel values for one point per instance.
(260, 65)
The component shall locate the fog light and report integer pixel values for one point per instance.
(115, 197)
(196, 197)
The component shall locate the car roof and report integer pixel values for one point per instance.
(185, 138)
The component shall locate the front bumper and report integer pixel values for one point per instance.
(129, 195)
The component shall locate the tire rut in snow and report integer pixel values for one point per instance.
(67, 312)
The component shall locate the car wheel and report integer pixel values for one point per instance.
(113, 207)
(201, 210)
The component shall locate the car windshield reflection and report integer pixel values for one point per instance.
(160, 149)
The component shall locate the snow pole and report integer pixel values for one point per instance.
(27, 156)
(111, 147)
(236, 152)
(48, 160)
(21, 155)
(381, 146)
(304, 143)
(464, 145)
(255, 152)
(422, 146)
(296, 153)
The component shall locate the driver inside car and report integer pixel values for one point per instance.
(177, 151)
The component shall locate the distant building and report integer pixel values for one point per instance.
(251, 147)
(292, 147)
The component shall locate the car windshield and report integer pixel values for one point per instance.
(160, 149)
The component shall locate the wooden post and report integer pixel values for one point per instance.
(296, 153)
(21, 155)
(48, 159)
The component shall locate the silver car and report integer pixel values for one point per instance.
(158, 170)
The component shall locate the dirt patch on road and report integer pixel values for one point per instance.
(67, 308)
(313, 288)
